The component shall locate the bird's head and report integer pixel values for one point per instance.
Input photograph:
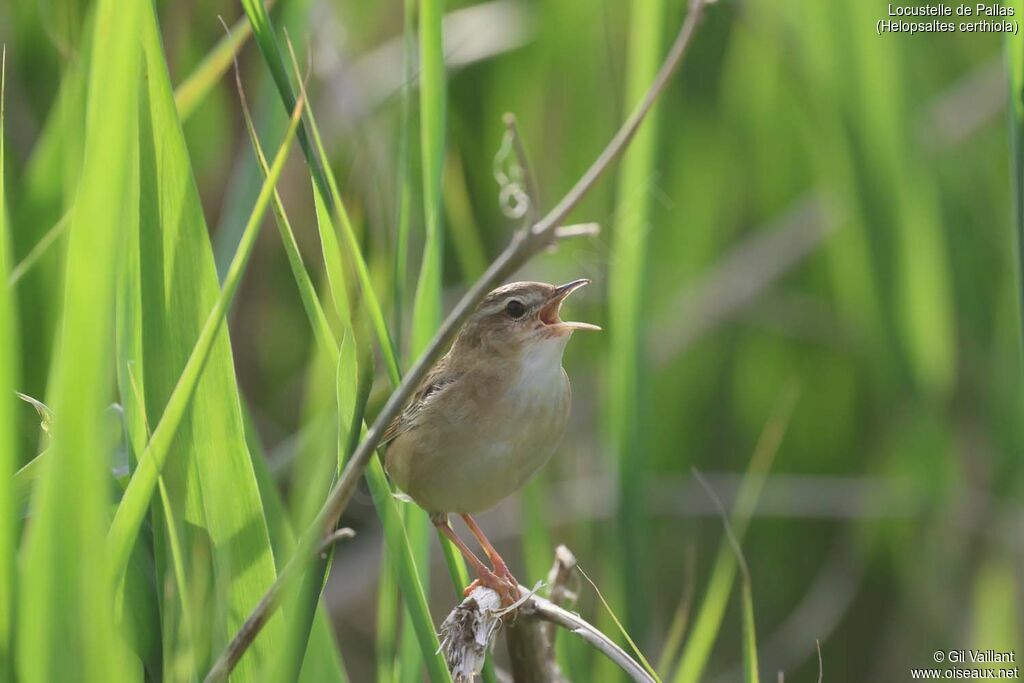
(519, 315)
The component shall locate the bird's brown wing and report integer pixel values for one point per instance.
(439, 378)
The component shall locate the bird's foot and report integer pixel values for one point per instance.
(501, 569)
(505, 586)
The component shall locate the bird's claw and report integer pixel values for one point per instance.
(505, 586)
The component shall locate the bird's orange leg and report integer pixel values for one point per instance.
(485, 577)
(500, 568)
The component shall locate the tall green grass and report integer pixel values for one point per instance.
(307, 620)
(391, 517)
(8, 383)
(885, 329)
(66, 620)
(426, 308)
(348, 283)
(1015, 66)
(196, 413)
(388, 605)
(627, 300)
(188, 95)
(750, 668)
(729, 559)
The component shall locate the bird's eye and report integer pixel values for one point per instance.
(515, 308)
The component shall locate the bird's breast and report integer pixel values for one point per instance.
(491, 439)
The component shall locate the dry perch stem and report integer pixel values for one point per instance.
(468, 632)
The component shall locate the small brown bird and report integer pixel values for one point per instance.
(488, 415)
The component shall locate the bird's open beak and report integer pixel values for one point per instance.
(549, 313)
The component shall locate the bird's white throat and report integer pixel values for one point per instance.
(540, 368)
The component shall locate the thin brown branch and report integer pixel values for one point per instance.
(523, 246)
(563, 232)
(548, 611)
(341, 534)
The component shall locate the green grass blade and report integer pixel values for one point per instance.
(207, 74)
(308, 593)
(263, 33)
(394, 656)
(8, 382)
(426, 309)
(427, 303)
(272, 118)
(140, 433)
(45, 192)
(924, 314)
(322, 663)
(326, 193)
(535, 513)
(332, 257)
(65, 623)
(25, 478)
(397, 534)
(325, 189)
(681, 618)
(406, 572)
(750, 674)
(404, 166)
(465, 233)
(396, 540)
(1015, 66)
(38, 251)
(993, 600)
(307, 292)
(395, 531)
(626, 306)
(314, 478)
(136, 499)
(187, 97)
(708, 620)
(622, 629)
(355, 258)
(387, 621)
(190, 388)
(749, 633)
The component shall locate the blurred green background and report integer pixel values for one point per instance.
(816, 217)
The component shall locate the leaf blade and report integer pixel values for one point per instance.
(66, 625)
(8, 383)
(189, 382)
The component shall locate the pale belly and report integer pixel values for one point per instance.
(469, 461)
